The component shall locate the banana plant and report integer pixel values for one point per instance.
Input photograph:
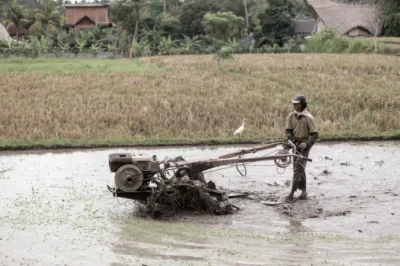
(187, 44)
(45, 44)
(166, 46)
(111, 48)
(194, 44)
(152, 37)
(95, 48)
(81, 43)
(135, 49)
(36, 46)
(64, 47)
(235, 45)
(145, 47)
(26, 47)
(10, 47)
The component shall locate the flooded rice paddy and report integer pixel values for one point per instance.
(56, 210)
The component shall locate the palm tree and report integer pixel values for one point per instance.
(15, 16)
(47, 17)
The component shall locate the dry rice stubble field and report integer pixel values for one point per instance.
(189, 98)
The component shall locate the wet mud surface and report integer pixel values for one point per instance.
(56, 210)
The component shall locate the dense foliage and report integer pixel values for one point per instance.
(163, 27)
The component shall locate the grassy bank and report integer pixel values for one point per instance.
(59, 66)
(390, 45)
(189, 99)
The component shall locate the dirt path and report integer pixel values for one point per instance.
(56, 211)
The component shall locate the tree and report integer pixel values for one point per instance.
(47, 17)
(238, 7)
(30, 4)
(376, 19)
(127, 13)
(170, 26)
(193, 14)
(170, 6)
(15, 16)
(276, 22)
(123, 13)
(154, 7)
(391, 9)
(3, 4)
(136, 8)
(223, 25)
(153, 17)
(301, 10)
(392, 25)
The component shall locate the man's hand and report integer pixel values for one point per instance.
(303, 146)
(286, 146)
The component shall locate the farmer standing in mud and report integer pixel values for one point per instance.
(302, 131)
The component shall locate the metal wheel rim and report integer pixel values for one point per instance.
(129, 178)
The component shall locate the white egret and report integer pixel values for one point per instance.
(240, 129)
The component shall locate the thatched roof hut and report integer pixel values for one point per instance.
(350, 19)
(3, 33)
(21, 32)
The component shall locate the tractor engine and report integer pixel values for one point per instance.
(133, 171)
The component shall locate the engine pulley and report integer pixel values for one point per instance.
(129, 178)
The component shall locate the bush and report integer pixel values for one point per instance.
(275, 49)
(3, 46)
(226, 52)
(358, 46)
(329, 40)
(389, 50)
(338, 44)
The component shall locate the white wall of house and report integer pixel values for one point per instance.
(319, 25)
(3, 33)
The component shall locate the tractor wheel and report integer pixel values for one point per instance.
(129, 178)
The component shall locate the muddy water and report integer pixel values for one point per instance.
(55, 210)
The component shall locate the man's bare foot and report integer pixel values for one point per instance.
(289, 198)
(303, 196)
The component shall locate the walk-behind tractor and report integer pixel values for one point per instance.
(179, 182)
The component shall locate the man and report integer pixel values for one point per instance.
(301, 130)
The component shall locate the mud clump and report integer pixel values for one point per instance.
(305, 209)
(171, 198)
(336, 213)
(262, 197)
(301, 209)
(325, 172)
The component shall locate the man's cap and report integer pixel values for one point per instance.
(299, 99)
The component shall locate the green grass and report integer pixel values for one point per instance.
(103, 143)
(76, 65)
(154, 142)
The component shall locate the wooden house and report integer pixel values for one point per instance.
(19, 34)
(88, 15)
(303, 28)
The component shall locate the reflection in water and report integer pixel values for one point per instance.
(296, 226)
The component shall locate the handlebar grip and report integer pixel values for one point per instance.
(307, 159)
